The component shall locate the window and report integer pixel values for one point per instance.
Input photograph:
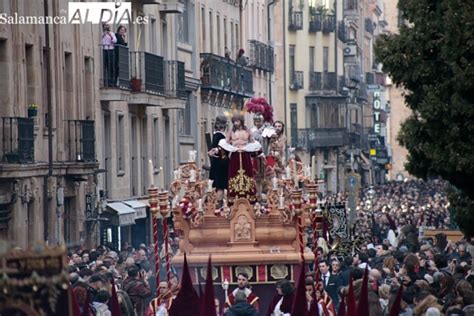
(311, 58)
(292, 60)
(120, 145)
(203, 29)
(185, 118)
(153, 36)
(313, 115)
(155, 142)
(237, 41)
(4, 65)
(294, 124)
(233, 49)
(218, 27)
(211, 35)
(325, 59)
(183, 24)
(225, 33)
(30, 73)
(88, 89)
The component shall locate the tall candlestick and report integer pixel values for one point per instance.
(162, 179)
(282, 201)
(313, 168)
(295, 174)
(275, 183)
(288, 172)
(192, 176)
(150, 173)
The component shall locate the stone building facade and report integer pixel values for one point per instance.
(79, 170)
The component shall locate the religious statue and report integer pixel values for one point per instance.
(241, 145)
(219, 160)
(276, 158)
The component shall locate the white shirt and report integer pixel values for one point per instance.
(325, 278)
(277, 311)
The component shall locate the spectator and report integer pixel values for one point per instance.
(241, 307)
(137, 289)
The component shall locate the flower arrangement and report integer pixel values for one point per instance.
(32, 110)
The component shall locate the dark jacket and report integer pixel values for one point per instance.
(241, 309)
(332, 287)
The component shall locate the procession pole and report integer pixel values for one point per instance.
(153, 201)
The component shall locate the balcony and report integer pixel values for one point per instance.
(17, 140)
(261, 56)
(323, 81)
(313, 138)
(315, 22)
(80, 141)
(175, 83)
(295, 22)
(147, 73)
(369, 26)
(171, 6)
(329, 24)
(342, 32)
(369, 78)
(297, 80)
(223, 75)
(115, 67)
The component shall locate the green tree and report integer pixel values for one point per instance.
(432, 59)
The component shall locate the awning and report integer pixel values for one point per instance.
(139, 207)
(126, 214)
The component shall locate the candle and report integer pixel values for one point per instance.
(150, 173)
(192, 156)
(295, 174)
(307, 171)
(162, 178)
(275, 183)
(176, 174)
(209, 185)
(288, 172)
(313, 167)
(179, 173)
(192, 177)
(200, 204)
(282, 201)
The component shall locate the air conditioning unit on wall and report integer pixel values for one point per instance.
(350, 50)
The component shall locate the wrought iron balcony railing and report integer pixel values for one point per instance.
(80, 140)
(147, 72)
(295, 22)
(17, 140)
(224, 75)
(261, 56)
(115, 63)
(329, 24)
(315, 22)
(326, 81)
(312, 138)
(297, 80)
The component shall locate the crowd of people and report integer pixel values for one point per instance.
(436, 275)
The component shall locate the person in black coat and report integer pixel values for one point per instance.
(121, 41)
(330, 281)
(241, 307)
(219, 159)
(283, 301)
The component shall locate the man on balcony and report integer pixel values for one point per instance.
(240, 144)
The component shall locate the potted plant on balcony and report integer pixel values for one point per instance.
(32, 110)
(12, 157)
(136, 84)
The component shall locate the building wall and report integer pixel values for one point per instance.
(399, 111)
